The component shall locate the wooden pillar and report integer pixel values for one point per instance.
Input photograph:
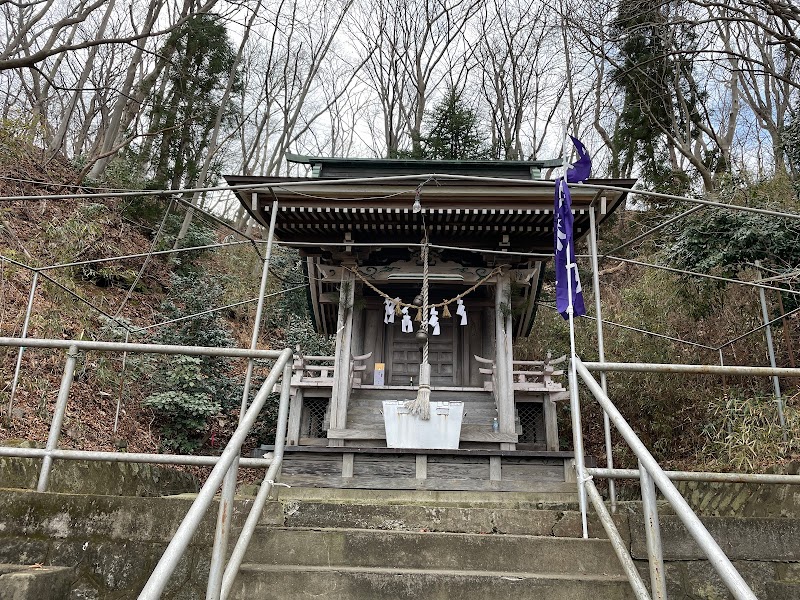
(422, 466)
(295, 412)
(296, 402)
(347, 465)
(341, 364)
(495, 468)
(504, 358)
(550, 424)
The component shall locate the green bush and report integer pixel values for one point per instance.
(185, 408)
(187, 391)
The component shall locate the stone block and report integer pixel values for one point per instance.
(740, 539)
(36, 582)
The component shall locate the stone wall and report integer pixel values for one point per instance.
(744, 499)
(90, 477)
(766, 552)
(112, 543)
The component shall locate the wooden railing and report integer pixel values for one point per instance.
(317, 371)
(529, 375)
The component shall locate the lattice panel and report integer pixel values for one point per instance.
(314, 410)
(531, 420)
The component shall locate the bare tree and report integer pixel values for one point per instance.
(520, 77)
(408, 63)
(39, 29)
(295, 78)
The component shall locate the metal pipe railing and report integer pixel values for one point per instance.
(85, 345)
(180, 541)
(652, 530)
(235, 560)
(58, 417)
(24, 334)
(766, 478)
(722, 565)
(229, 487)
(128, 457)
(618, 367)
(601, 350)
(617, 543)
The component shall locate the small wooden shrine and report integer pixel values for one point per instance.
(358, 225)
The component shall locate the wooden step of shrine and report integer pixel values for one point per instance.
(405, 392)
(469, 433)
(549, 473)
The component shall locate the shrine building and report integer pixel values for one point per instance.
(364, 228)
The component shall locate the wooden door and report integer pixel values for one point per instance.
(405, 355)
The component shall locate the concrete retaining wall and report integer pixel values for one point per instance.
(112, 543)
(85, 477)
(742, 499)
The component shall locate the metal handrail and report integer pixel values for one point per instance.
(235, 560)
(649, 467)
(180, 541)
(617, 543)
(704, 476)
(143, 348)
(128, 457)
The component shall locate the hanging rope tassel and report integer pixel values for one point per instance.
(446, 312)
(421, 406)
(418, 317)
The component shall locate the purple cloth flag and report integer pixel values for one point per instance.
(579, 171)
(564, 247)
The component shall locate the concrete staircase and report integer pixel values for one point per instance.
(371, 548)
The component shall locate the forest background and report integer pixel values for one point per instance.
(691, 97)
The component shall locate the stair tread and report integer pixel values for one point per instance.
(482, 536)
(514, 575)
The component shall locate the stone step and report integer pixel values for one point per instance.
(378, 500)
(550, 519)
(415, 550)
(25, 582)
(340, 583)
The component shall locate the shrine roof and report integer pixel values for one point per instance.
(482, 212)
(467, 206)
(334, 167)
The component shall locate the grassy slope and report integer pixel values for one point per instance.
(47, 232)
